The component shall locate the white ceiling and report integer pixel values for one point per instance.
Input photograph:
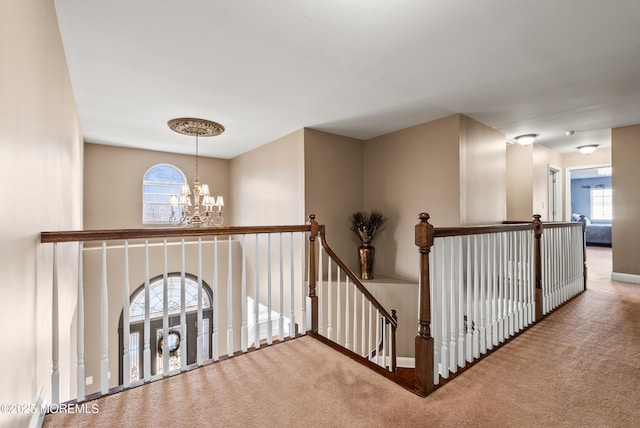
(360, 68)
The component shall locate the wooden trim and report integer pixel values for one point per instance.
(441, 232)
(360, 359)
(423, 381)
(150, 233)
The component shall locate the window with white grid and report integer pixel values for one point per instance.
(159, 183)
(601, 206)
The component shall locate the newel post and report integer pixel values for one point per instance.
(583, 220)
(312, 298)
(537, 262)
(424, 342)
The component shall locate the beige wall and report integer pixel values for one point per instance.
(407, 172)
(113, 183)
(519, 182)
(268, 183)
(625, 156)
(334, 174)
(41, 168)
(453, 168)
(542, 158)
(482, 173)
(528, 180)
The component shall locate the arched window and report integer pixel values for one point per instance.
(178, 341)
(159, 183)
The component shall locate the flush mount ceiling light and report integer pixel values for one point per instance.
(207, 209)
(589, 148)
(526, 139)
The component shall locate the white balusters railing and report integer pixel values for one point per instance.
(487, 283)
(562, 264)
(177, 310)
(481, 287)
(349, 315)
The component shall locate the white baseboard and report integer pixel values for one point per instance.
(406, 362)
(37, 417)
(625, 277)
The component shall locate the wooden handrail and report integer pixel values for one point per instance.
(441, 232)
(150, 233)
(354, 278)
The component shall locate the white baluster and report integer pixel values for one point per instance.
(55, 332)
(215, 304)
(230, 345)
(496, 284)
(165, 313)
(476, 295)
(370, 334)
(511, 293)
(269, 306)
(355, 318)
(104, 323)
(80, 324)
(200, 332)
(377, 344)
(469, 300)
(147, 316)
(319, 291)
(292, 318)
(338, 306)
(504, 281)
(363, 347)
(443, 280)
(183, 311)
(281, 318)
(453, 303)
(329, 301)
(256, 300)
(347, 343)
(245, 330)
(483, 294)
(461, 301)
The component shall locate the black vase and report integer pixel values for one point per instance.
(367, 253)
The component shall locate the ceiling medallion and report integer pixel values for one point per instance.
(196, 127)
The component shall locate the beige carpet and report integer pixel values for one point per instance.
(578, 368)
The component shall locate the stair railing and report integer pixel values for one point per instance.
(343, 311)
(481, 285)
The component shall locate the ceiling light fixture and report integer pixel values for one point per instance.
(589, 148)
(207, 209)
(570, 133)
(526, 139)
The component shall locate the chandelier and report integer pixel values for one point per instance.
(207, 209)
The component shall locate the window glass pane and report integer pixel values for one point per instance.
(160, 182)
(164, 173)
(156, 299)
(134, 353)
(172, 344)
(601, 204)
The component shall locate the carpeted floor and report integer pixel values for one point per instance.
(580, 367)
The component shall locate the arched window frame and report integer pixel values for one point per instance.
(158, 201)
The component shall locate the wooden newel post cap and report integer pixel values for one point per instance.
(538, 223)
(424, 231)
(314, 226)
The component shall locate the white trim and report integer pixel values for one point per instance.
(625, 277)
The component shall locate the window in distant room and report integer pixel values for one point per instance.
(159, 183)
(601, 204)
